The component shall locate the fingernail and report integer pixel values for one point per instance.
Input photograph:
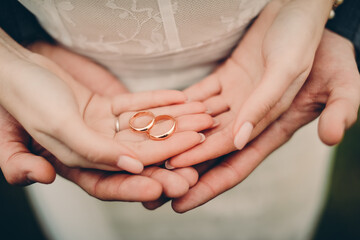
(243, 135)
(168, 165)
(216, 123)
(202, 137)
(130, 164)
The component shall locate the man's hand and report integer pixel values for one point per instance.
(332, 92)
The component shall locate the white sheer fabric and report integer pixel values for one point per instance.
(150, 44)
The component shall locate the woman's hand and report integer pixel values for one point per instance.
(21, 166)
(52, 106)
(260, 79)
(332, 92)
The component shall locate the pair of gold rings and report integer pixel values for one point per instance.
(147, 128)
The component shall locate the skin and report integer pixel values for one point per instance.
(24, 162)
(90, 179)
(332, 92)
(259, 81)
(77, 126)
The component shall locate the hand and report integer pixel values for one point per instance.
(259, 80)
(21, 167)
(77, 145)
(331, 91)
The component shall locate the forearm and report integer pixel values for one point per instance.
(9, 50)
(10, 54)
(315, 11)
(88, 73)
(33, 85)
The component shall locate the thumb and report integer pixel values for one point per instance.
(339, 114)
(20, 167)
(267, 95)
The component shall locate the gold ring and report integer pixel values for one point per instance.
(166, 134)
(141, 114)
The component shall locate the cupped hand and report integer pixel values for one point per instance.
(56, 111)
(332, 92)
(21, 166)
(259, 80)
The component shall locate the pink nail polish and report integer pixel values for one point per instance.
(243, 135)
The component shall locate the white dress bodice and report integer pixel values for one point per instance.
(151, 44)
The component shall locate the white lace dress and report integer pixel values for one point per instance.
(151, 44)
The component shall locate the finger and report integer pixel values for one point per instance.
(195, 122)
(175, 111)
(152, 205)
(240, 164)
(112, 186)
(173, 184)
(216, 105)
(339, 114)
(146, 100)
(190, 174)
(272, 87)
(203, 167)
(204, 151)
(20, 167)
(79, 146)
(218, 142)
(204, 89)
(150, 151)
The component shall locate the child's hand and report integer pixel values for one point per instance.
(261, 78)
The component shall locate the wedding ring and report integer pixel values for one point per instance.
(142, 114)
(117, 125)
(167, 134)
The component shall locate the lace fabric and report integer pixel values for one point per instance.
(149, 43)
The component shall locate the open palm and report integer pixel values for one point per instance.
(255, 84)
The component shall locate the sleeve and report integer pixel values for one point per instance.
(20, 24)
(347, 23)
